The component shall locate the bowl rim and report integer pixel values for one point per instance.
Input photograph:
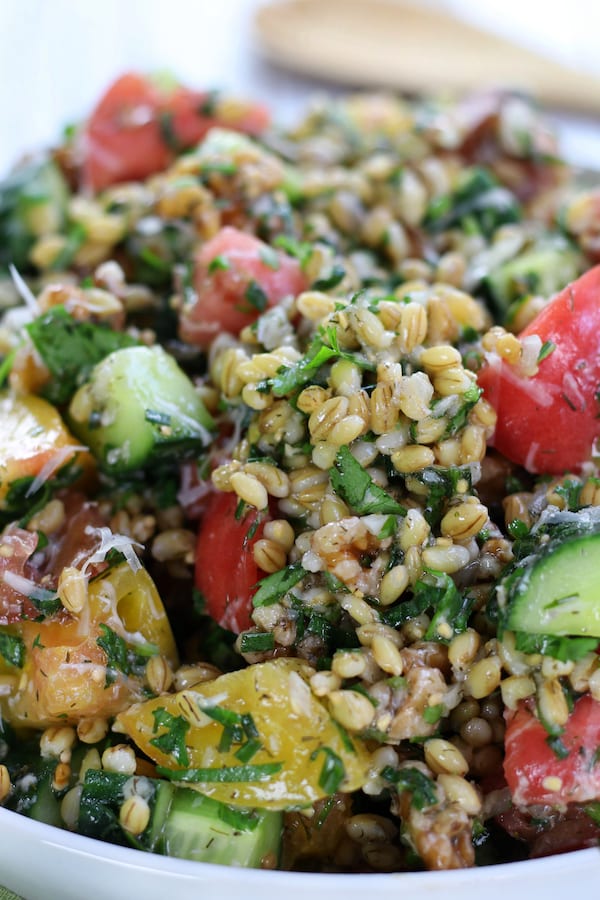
(104, 852)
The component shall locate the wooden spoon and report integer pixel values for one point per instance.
(387, 43)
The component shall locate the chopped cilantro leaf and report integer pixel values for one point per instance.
(255, 296)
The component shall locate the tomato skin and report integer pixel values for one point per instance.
(535, 774)
(137, 127)
(221, 303)
(226, 573)
(549, 422)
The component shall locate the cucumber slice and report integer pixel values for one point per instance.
(557, 592)
(544, 269)
(139, 406)
(183, 823)
(205, 830)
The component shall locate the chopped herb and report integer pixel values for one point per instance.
(257, 643)
(255, 296)
(593, 811)
(120, 657)
(222, 775)
(389, 528)
(556, 745)
(275, 586)
(301, 250)
(270, 257)
(433, 714)
(356, 487)
(70, 349)
(219, 263)
(12, 649)
(333, 771)
(517, 528)
(346, 739)
(248, 750)
(415, 782)
(327, 282)
(468, 401)
(172, 742)
(562, 648)
(546, 349)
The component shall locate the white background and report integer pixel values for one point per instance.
(56, 56)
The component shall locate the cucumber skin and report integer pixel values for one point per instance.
(554, 264)
(531, 604)
(123, 390)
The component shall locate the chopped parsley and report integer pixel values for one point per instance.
(172, 741)
(411, 779)
(275, 586)
(70, 349)
(12, 649)
(356, 487)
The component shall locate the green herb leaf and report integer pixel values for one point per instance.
(12, 649)
(356, 487)
(562, 648)
(433, 714)
(546, 349)
(256, 297)
(249, 749)
(275, 586)
(257, 642)
(222, 775)
(301, 250)
(172, 741)
(70, 349)
(270, 257)
(415, 782)
(328, 282)
(218, 263)
(333, 771)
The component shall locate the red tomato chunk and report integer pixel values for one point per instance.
(536, 773)
(549, 422)
(236, 277)
(226, 573)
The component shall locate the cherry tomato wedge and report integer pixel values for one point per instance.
(236, 277)
(226, 573)
(568, 773)
(138, 127)
(549, 422)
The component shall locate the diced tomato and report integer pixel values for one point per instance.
(137, 127)
(236, 277)
(226, 573)
(536, 773)
(549, 422)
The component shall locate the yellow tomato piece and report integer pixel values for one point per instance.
(64, 678)
(296, 737)
(34, 441)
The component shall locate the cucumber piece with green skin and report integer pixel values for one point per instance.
(205, 830)
(182, 824)
(139, 407)
(544, 269)
(557, 591)
(33, 202)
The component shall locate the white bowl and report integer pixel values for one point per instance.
(44, 863)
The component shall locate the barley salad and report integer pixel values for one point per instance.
(298, 483)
